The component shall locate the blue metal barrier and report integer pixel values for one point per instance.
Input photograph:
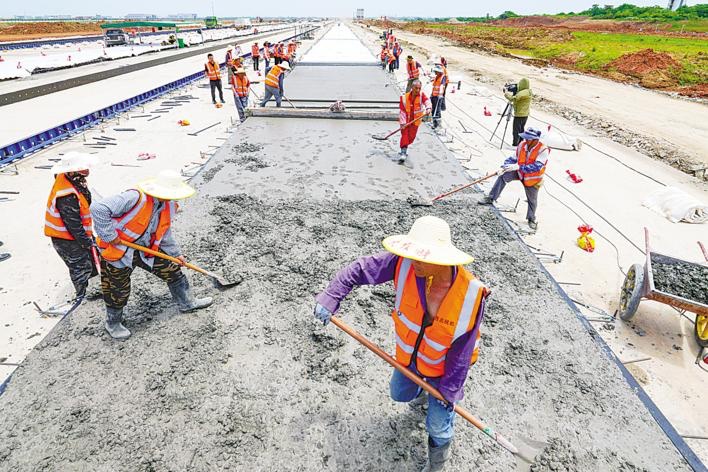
(24, 147)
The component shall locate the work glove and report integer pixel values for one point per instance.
(501, 171)
(511, 167)
(322, 314)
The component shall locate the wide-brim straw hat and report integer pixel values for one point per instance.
(284, 65)
(230, 47)
(428, 241)
(240, 70)
(73, 162)
(168, 185)
(531, 134)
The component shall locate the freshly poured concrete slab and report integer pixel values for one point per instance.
(328, 159)
(339, 83)
(340, 44)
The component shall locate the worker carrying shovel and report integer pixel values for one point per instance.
(528, 165)
(414, 106)
(274, 82)
(67, 219)
(437, 315)
(142, 216)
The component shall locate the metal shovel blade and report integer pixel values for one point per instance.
(222, 282)
(419, 202)
(379, 137)
(528, 451)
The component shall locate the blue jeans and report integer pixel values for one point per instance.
(271, 92)
(241, 104)
(439, 422)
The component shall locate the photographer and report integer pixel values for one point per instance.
(520, 98)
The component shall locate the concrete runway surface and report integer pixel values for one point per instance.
(253, 382)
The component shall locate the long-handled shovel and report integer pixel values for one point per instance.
(384, 138)
(291, 103)
(219, 281)
(443, 195)
(524, 452)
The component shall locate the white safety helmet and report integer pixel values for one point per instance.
(73, 162)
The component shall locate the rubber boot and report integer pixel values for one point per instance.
(486, 200)
(437, 457)
(533, 224)
(402, 155)
(186, 301)
(114, 324)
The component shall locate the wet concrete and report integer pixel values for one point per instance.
(680, 278)
(339, 83)
(254, 383)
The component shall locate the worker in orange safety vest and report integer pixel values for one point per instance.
(241, 87)
(142, 216)
(437, 315)
(414, 107)
(413, 68)
(67, 219)
(274, 83)
(437, 99)
(212, 70)
(528, 165)
(255, 55)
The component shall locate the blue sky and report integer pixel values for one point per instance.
(10, 8)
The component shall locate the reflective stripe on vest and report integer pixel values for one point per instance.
(133, 224)
(457, 316)
(241, 84)
(413, 71)
(272, 79)
(437, 83)
(213, 71)
(255, 51)
(524, 157)
(53, 223)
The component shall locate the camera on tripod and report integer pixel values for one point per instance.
(511, 88)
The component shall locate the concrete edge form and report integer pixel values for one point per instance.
(322, 113)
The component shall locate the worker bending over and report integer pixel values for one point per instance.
(241, 87)
(274, 83)
(142, 216)
(414, 107)
(527, 165)
(68, 221)
(437, 314)
(212, 69)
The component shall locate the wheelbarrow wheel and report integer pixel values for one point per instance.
(700, 330)
(631, 293)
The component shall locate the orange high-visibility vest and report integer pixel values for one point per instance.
(241, 84)
(266, 52)
(437, 85)
(524, 157)
(456, 316)
(271, 79)
(213, 71)
(279, 48)
(255, 51)
(291, 48)
(134, 223)
(384, 54)
(53, 224)
(414, 107)
(413, 72)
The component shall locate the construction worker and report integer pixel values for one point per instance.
(241, 88)
(397, 51)
(142, 216)
(228, 60)
(383, 55)
(436, 97)
(391, 40)
(520, 98)
(278, 53)
(255, 55)
(391, 60)
(274, 83)
(67, 219)
(414, 107)
(213, 72)
(414, 68)
(437, 316)
(267, 52)
(292, 47)
(527, 165)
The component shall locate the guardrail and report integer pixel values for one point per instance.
(24, 147)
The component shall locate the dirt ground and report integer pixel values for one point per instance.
(588, 24)
(253, 382)
(47, 29)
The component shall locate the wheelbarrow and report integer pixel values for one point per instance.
(639, 285)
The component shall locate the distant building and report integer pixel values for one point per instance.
(140, 16)
(183, 16)
(359, 13)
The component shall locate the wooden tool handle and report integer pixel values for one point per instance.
(465, 186)
(164, 256)
(423, 384)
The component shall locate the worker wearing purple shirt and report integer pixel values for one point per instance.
(437, 274)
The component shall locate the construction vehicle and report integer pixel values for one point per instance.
(211, 22)
(115, 37)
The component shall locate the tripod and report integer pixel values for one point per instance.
(507, 113)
